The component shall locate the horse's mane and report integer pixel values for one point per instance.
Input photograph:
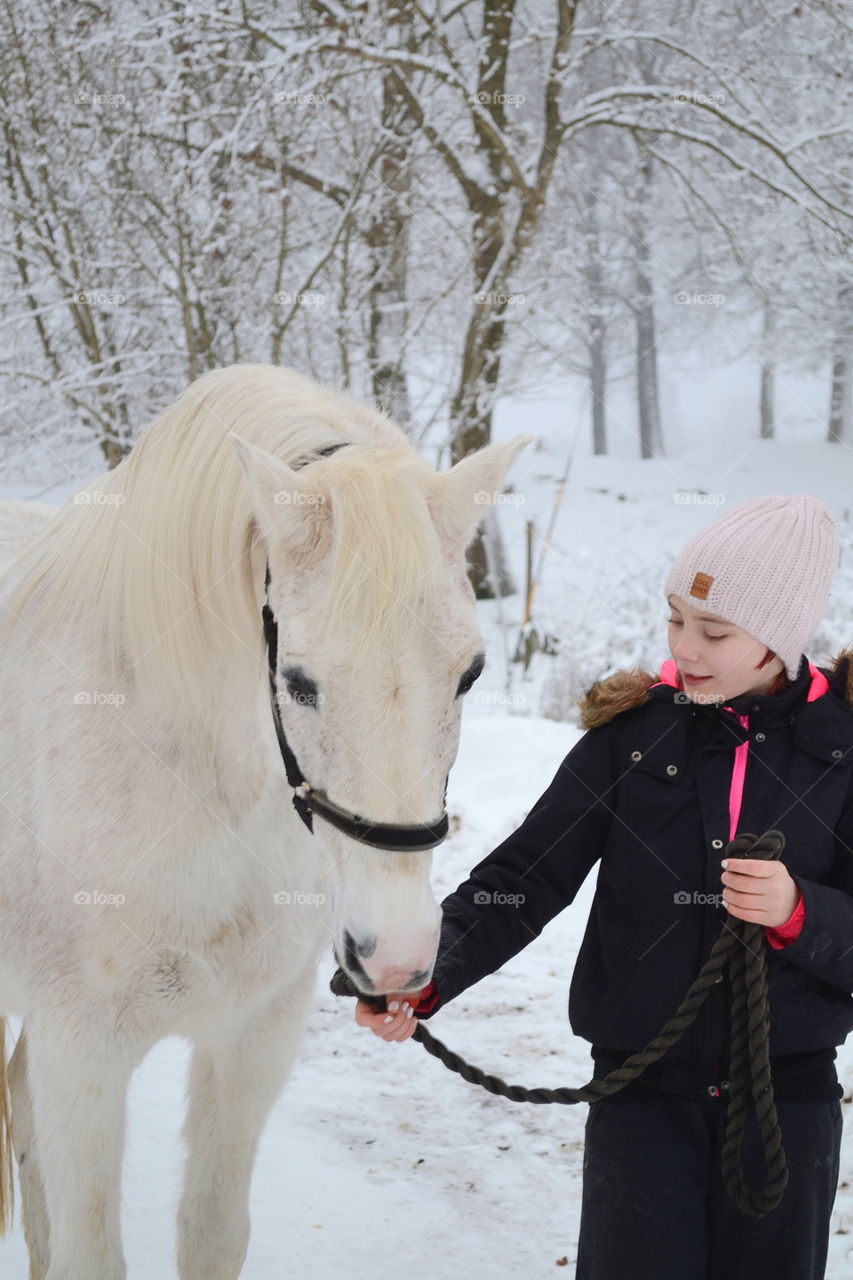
(156, 554)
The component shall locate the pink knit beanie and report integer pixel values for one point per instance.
(766, 566)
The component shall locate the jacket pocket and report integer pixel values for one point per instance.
(662, 754)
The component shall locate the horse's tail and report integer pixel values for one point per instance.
(7, 1184)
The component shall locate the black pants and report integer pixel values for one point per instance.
(654, 1206)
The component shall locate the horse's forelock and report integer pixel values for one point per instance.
(386, 560)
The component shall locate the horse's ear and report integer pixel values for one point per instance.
(290, 510)
(460, 497)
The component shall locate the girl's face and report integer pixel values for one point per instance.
(705, 645)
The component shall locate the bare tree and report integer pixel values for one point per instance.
(841, 394)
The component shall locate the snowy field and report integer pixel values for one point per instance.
(376, 1159)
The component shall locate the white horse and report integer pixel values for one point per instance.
(156, 877)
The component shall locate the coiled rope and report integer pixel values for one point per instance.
(738, 954)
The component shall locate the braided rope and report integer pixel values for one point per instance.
(738, 954)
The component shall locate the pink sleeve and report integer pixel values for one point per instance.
(783, 934)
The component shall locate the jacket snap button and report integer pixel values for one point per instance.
(636, 755)
(759, 737)
(716, 844)
(713, 1090)
(725, 1084)
(837, 753)
(671, 769)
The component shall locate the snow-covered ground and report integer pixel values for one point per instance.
(375, 1158)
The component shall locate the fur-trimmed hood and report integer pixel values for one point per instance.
(629, 688)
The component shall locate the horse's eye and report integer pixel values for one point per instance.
(471, 675)
(300, 688)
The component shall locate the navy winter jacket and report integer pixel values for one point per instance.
(646, 794)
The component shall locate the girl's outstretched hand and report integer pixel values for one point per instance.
(398, 1023)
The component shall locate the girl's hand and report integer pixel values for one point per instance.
(759, 891)
(398, 1023)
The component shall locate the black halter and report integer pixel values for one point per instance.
(307, 800)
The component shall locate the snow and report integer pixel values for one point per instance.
(375, 1155)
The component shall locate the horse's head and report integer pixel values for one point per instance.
(377, 644)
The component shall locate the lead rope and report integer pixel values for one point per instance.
(739, 954)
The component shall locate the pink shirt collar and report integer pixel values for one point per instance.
(817, 688)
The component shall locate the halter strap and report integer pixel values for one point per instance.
(307, 800)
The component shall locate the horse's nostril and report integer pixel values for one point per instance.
(362, 950)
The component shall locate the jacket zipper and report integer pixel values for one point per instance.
(735, 801)
(738, 775)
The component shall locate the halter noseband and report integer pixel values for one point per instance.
(307, 800)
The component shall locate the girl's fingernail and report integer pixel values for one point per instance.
(409, 1013)
(405, 1004)
(389, 1018)
(725, 862)
(393, 1006)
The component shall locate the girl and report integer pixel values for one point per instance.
(740, 732)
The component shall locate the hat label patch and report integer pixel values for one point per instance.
(701, 585)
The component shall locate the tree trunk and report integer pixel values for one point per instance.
(768, 375)
(388, 239)
(595, 313)
(474, 398)
(648, 403)
(841, 391)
